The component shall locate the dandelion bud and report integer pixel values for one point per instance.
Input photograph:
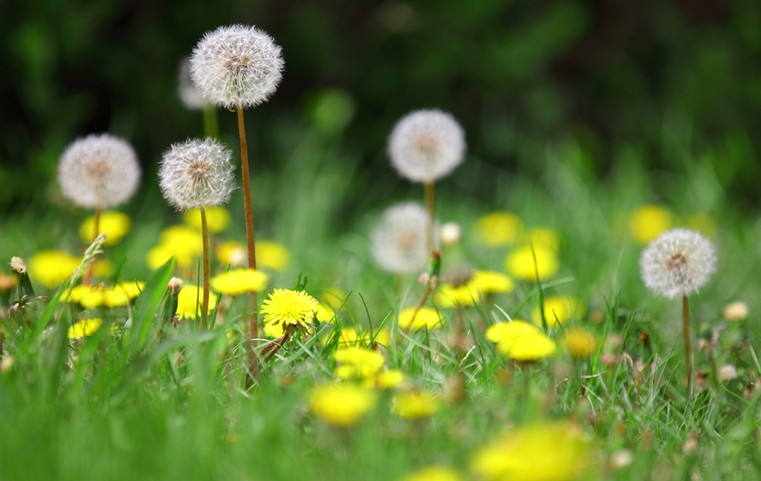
(196, 173)
(426, 145)
(399, 240)
(736, 311)
(99, 171)
(678, 263)
(174, 285)
(18, 265)
(236, 66)
(727, 372)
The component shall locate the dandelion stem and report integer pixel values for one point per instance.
(429, 205)
(210, 124)
(253, 324)
(687, 350)
(96, 230)
(206, 267)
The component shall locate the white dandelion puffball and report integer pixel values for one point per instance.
(189, 95)
(99, 171)
(196, 173)
(426, 145)
(399, 240)
(236, 66)
(677, 263)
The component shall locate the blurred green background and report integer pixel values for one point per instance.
(663, 84)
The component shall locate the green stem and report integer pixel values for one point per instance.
(206, 267)
(429, 205)
(96, 230)
(210, 124)
(687, 349)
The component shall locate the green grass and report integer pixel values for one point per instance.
(128, 409)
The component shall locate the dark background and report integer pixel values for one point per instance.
(659, 83)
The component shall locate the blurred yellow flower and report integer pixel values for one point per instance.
(179, 242)
(550, 451)
(324, 313)
(239, 281)
(94, 296)
(357, 362)
(84, 328)
(233, 253)
(217, 218)
(272, 255)
(341, 404)
(334, 297)
(115, 224)
(543, 237)
(648, 222)
(579, 342)
(558, 309)
(350, 336)
(189, 301)
(7, 282)
(463, 295)
(526, 348)
(52, 267)
(388, 379)
(414, 404)
(426, 318)
(509, 331)
(433, 473)
(499, 229)
(491, 282)
(520, 263)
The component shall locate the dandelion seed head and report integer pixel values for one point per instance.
(196, 173)
(99, 171)
(677, 263)
(188, 93)
(236, 66)
(426, 145)
(399, 240)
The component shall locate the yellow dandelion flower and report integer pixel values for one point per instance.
(272, 255)
(239, 281)
(383, 337)
(433, 473)
(526, 348)
(217, 218)
(7, 282)
(491, 282)
(102, 268)
(579, 342)
(115, 224)
(463, 295)
(189, 301)
(414, 404)
(341, 404)
(509, 331)
(522, 455)
(94, 296)
(335, 297)
(289, 308)
(520, 263)
(499, 229)
(84, 328)
(542, 237)
(558, 309)
(426, 318)
(233, 253)
(324, 313)
(357, 362)
(388, 379)
(184, 254)
(51, 268)
(648, 222)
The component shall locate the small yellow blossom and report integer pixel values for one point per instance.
(84, 328)
(580, 343)
(287, 307)
(115, 224)
(558, 309)
(182, 243)
(523, 454)
(239, 281)
(520, 263)
(51, 268)
(189, 301)
(648, 222)
(509, 331)
(491, 282)
(526, 348)
(433, 473)
(414, 404)
(272, 255)
(233, 253)
(324, 313)
(463, 295)
(217, 218)
(426, 318)
(388, 379)
(499, 229)
(335, 297)
(357, 362)
(341, 404)
(542, 237)
(94, 296)
(350, 336)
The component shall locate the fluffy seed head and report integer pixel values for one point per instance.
(426, 145)
(99, 171)
(189, 94)
(196, 173)
(236, 66)
(399, 240)
(677, 263)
